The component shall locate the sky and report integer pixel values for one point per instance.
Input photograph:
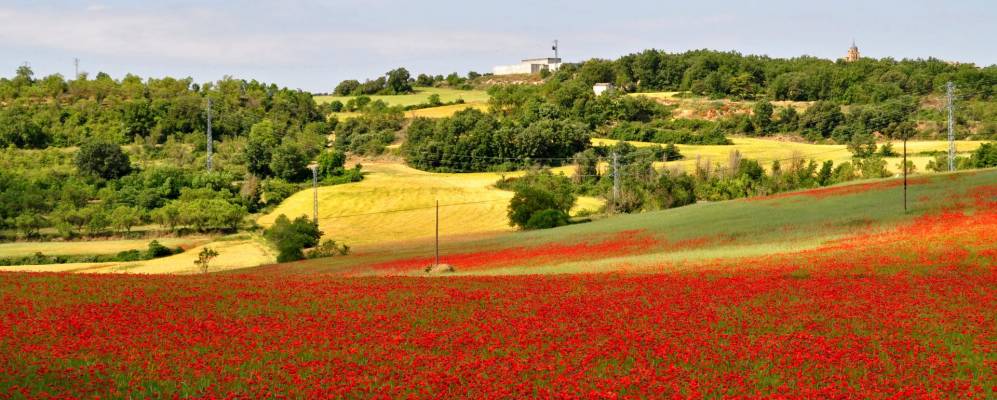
(312, 45)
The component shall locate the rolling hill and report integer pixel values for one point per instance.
(953, 210)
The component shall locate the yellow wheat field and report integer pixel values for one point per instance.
(396, 203)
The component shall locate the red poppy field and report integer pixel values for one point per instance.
(901, 312)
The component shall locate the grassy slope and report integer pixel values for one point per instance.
(392, 187)
(735, 228)
(766, 150)
(420, 96)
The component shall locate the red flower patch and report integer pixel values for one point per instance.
(620, 244)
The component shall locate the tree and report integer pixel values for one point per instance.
(434, 99)
(547, 219)
(331, 163)
(291, 237)
(398, 81)
(103, 160)
(820, 119)
(985, 156)
(259, 148)
(826, 173)
(539, 191)
(424, 80)
(123, 218)
(204, 258)
(289, 163)
(348, 87)
(29, 223)
(862, 146)
(18, 130)
(762, 117)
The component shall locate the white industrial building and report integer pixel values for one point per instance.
(529, 66)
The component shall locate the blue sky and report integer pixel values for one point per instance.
(313, 45)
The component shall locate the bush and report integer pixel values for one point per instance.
(104, 160)
(985, 156)
(547, 219)
(328, 248)
(537, 192)
(291, 237)
(276, 190)
(157, 250)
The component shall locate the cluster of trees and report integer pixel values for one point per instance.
(475, 141)
(542, 199)
(983, 157)
(674, 131)
(369, 133)
(732, 75)
(396, 81)
(98, 198)
(564, 97)
(52, 111)
(400, 81)
(452, 80)
(265, 138)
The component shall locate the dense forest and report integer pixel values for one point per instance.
(103, 155)
(733, 75)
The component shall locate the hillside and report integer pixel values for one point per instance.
(395, 203)
(854, 221)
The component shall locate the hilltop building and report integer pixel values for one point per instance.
(853, 53)
(600, 88)
(529, 66)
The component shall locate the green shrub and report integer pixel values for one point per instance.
(291, 237)
(539, 191)
(328, 248)
(547, 219)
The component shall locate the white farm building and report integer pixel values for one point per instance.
(529, 66)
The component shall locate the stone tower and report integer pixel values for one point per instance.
(853, 53)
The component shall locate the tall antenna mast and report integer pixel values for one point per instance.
(950, 88)
(76, 64)
(209, 135)
(556, 49)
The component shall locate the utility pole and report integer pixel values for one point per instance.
(616, 179)
(437, 263)
(314, 168)
(209, 134)
(950, 88)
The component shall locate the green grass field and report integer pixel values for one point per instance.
(421, 96)
(767, 150)
(729, 230)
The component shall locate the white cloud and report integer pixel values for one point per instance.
(206, 37)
